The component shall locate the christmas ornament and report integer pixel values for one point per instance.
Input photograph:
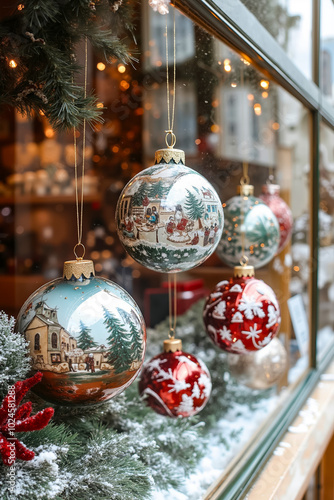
(270, 196)
(175, 383)
(160, 5)
(242, 314)
(86, 335)
(169, 217)
(261, 369)
(16, 418)
(248, 218)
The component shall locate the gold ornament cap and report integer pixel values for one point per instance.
(246, 190)
(271, 188)
(170, 155)
(244, 271)
(78, 268)
(172, 345)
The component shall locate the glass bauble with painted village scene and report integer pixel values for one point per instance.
(86, 334)
(250, 228)
(169, 217)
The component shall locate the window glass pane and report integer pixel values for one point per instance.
(290, 23)
(326, 241)
(228, 115)
(327, 49)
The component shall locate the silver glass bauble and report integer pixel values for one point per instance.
(261, 369)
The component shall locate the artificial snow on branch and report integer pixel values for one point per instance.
(14, 362)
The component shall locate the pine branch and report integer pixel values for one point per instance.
(41, 39)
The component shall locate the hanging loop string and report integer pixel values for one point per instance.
(244, 260)
(172, 307)
(172, 138)
(80, 207)
(79, 245)
(245, 177)
(171, 114)
(271, 176)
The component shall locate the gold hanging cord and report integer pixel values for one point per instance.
(244, 180)
(172, 306)
(172, 293)
(80, 206)
(245, 177)
(171, 113)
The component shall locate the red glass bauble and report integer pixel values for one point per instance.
(270, 195)
(242, 314)
(175, 384)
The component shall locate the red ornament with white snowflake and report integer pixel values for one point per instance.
(242, 314)
(175, 383)
(270, 195)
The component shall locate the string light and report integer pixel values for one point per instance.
(275, 126)
(250, 97)
(49, 133)
(227, 65)
(12, 63)
(121, 68)
(99, 105)
(257, 109)
(124, 85)
(265, 95)
(233, 84)
(101, 66)
(264, 84)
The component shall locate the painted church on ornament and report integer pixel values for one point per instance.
(52, 346)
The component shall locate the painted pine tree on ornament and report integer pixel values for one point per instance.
(85, 339)
(119, 343)
(194, 207)
(137, 342)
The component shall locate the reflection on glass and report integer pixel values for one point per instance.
(241, 117)
(290, 23)
(326, 241)
(228, 115)
(327, 49)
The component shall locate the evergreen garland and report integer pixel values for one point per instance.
(38, 64)
(122, 450)
(14, 363)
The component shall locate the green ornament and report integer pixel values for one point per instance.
(250, 216)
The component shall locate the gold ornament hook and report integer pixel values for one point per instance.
(75, 253)
(173, 139)
(244, 180)
(244, 260)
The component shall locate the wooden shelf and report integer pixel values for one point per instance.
(45, 200)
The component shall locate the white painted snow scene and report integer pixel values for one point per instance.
(169, 218)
